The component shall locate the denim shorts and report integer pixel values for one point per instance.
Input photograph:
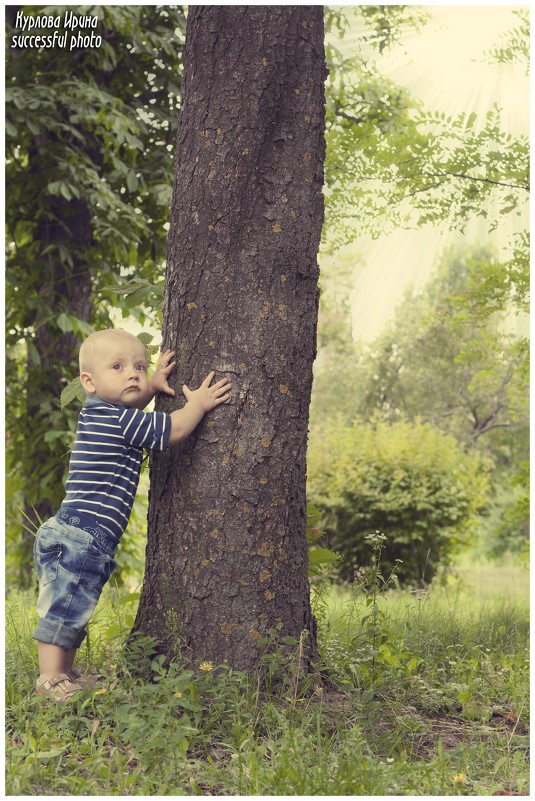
(72, 568)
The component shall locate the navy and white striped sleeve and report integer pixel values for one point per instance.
(149, 430)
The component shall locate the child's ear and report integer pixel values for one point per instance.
(87, 383)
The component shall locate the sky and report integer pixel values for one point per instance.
(442, 66)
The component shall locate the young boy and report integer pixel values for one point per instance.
(74, 550)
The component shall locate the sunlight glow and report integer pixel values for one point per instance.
(445, 67)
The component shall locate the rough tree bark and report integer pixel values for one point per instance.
(227, 553)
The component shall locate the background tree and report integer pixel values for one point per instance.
(448, 356)
(227, 553)
(88, 136)
(472, 359)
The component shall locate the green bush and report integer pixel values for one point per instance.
(408, 481)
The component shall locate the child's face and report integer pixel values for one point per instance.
(118, 371)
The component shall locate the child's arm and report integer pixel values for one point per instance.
(199, 401)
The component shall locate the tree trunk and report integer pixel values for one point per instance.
(44, 485)
(227, 552)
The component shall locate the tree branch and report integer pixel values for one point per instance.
(477, 434)
(357, 120)
(475, 178)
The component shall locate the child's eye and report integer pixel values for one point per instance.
(141, 368)
(117, 366)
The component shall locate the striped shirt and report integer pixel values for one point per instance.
(105, 464)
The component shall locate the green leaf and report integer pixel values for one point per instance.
(318, 557)
(289, 640)
(65, 191)
(23, 233)
(65, 255)
(73, 391)
(131, 181)
(50, 436)
(131, 286)
(137, 298)
(64, 323)
(33, 354)
(412, 665)
(80, 326)
(50, 754)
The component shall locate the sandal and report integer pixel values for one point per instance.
(85, 682)
(60, 687)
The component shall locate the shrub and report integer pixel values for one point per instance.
(406, 480)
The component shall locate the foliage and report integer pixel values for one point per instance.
(505, 527)
(385, 25)
(89, 139)
(336, 286)
(477, 369)
(374, 646)
(446, 358)
(439, 168)
(496, 286)
(455, 725)
(406, 480)
(392, 163)
(100, 133)
(379, 27)
(495, 291)
(515, 45)
(411, 629)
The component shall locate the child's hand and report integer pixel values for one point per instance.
(199, 401)
(158, 381)
(208, 397)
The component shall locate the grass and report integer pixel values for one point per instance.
(438, 705)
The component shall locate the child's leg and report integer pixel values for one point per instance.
(54, 659)
(72, 571)
(71, 654)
